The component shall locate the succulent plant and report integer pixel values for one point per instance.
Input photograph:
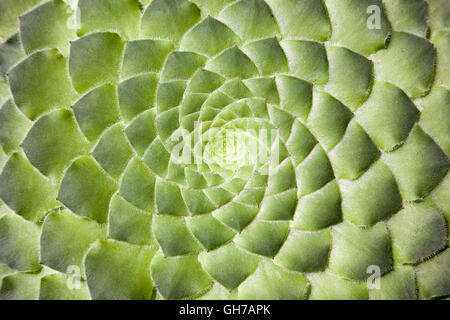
(351, 200)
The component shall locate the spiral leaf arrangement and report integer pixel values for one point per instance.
(93, 92)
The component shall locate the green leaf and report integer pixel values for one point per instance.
(355, 26)
(355, 249)
(272, 282)
(295, 95)
(327, 286)
(113, 151)
(305, 251)
(418, 231)
(169, 275)
(306, 19)
(209, 231)
(19, 243)
(141, 131)
(233, 63)
(144, 56)
(20, 286)
(168, 199)
(96, 111)
(54, 287)
(132, 282)
(228, 265)
(307, 60)
(362, 208)
(181, 65)
(40, 83)
(173, 236)
(20, 178)
(408, 16)
(86, 189)
(47, 26)
(11, 51)
(398, 284)
(169, 19)
(137, 95)
(10, 10)
(235, 215)
(442, 45)
(433, 278)
(65, 239)
(107, 15)
(416, 178)
(328, 119)
(209, 37)
(267, 55)
(263, 238)
(128, 223)
(314, 172)
(138, 185)
(95, 60)
(354, 153)
(251, 19)
(350, 76)
(13, 127)
(385, 124)
(407, 52)
(53, 141)
(319, 209)
(433, 112)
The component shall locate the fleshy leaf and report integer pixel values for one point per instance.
(19, 177)
(19, 243)
(40, 83)
(106, 15)
(170, 278)
(132, 282)
(86, 189)
(65, 238)
(94, 60)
